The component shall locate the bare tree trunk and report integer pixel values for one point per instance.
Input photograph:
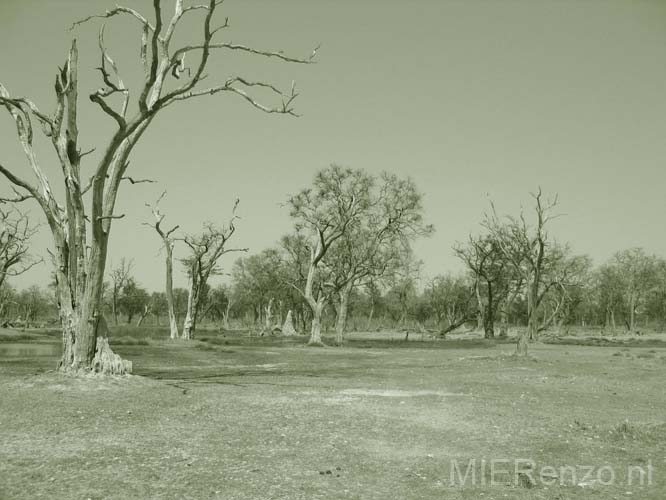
(504, 317)
(372, 312)
(190, 317)
(146, 310)
(504, 324)
(315, 332)
(532, 325)
(81, 324)
(268, 323)
(489, 317)
(316, 305)
(225, 316)
(481, 309)
(341, 320)
(173, 325)
(632, 311)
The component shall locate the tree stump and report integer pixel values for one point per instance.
(288, 328)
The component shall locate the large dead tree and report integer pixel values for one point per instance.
(168, 241)
(15, 234)
(206, 250)
(81, 235)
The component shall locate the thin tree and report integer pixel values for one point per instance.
(81, 236)
(637, 271)
(484, 258)
(206, 249)
(168, 241)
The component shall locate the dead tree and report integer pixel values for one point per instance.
(527, 249)
(206, 250)
(15, 234)
(168, 241)
(120, 275)
(81, 235)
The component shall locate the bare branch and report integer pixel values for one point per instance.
(154, 57)
(18, 198)
(19, 182)
(137, 181)
(108, 217)
(245, 48)
(114, 12)
(98, 98)
(228, 86)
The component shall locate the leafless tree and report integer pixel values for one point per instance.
(484, 258)
(451, 300)
(526, 247)
(206, 249)
(168, 241)
(637, 272)
(80, 236)
(15, 234)
(563, 273)
(120, 275)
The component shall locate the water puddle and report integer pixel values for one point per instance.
(29, 350)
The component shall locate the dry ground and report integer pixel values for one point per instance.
(260, 418)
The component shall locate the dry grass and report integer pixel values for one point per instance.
(254, 419)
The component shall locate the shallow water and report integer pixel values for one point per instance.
(29, 350)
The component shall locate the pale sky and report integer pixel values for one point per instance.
(473, 99)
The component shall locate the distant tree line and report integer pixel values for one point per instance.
(348, 265)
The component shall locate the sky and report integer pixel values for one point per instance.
(476, 100)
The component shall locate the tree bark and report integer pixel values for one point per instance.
(481, 309)
(173, 325)
(316, 304)
(225, 316)
(146, 310)
(632, 311)
(341, 320)
(268, 318)
(524, 336)
(372, 312)
(315, 331)
(489, 316)
(504, 325)
(190, 317)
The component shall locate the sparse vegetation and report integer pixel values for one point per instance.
(504, 345)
